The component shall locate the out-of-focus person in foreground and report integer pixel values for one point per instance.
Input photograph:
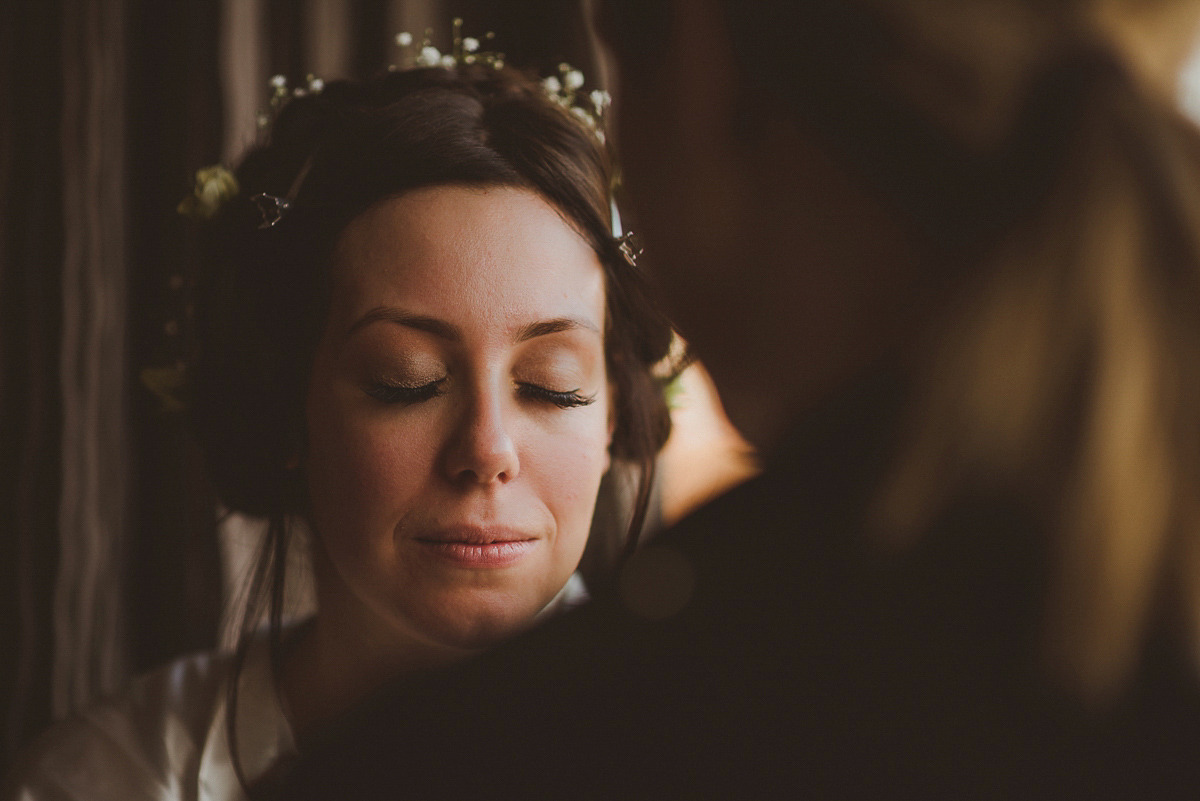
(942, 259)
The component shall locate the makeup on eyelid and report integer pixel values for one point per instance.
(397, 366)
(559, 363)
(557, 367)
(562, 388)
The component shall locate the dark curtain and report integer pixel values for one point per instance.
(175, 125)
(30, 325)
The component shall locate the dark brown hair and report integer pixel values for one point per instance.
(262, 301)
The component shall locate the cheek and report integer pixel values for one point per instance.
(566, 466)
(363, 469)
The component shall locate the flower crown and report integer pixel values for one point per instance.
(464, 50)
(216, 185)
(562, 89)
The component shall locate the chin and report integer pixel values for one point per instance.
(477, 623)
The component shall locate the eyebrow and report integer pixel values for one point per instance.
(555, 326)
(439, 328)
(450, 333)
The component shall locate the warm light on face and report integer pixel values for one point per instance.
(458, 412)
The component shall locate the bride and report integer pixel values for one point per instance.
(419, 338)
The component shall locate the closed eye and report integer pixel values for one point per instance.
(398, 393)
(563, 400)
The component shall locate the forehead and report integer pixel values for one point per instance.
(491, 257)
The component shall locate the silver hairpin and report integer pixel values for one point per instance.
(273, 207)
(629, 247)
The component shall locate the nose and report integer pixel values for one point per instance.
(482, 450)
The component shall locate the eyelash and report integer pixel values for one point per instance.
(393, 393)
(563, 400)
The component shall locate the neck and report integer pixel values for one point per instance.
(348, 653)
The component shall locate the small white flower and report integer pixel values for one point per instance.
(448, 61)
(404, 39)
(299, 92)
(573, 80)
(564, 67)
(552, 85)
(498, 64)
(470, 44)
(316, 85)
(430, 57)
(582, 114)
(278, 81)
(601, 100)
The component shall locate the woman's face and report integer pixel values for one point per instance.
(458, 413)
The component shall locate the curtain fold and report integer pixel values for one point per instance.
(89, 659)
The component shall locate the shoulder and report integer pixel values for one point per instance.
(135, 745)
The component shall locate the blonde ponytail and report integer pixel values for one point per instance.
(1069, 374)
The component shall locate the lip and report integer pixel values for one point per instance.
(477, 547)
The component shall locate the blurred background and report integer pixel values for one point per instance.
(113, 553)
(114, 556)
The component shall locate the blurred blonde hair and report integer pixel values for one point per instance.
(1070, 371)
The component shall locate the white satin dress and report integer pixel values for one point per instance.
(164, 738)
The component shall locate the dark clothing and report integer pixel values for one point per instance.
(806, 663)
